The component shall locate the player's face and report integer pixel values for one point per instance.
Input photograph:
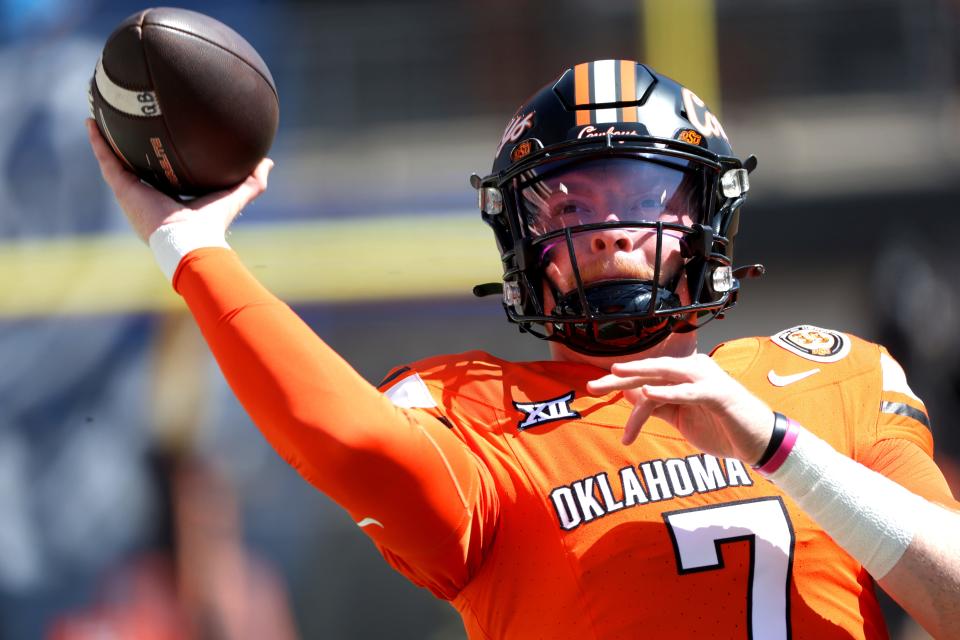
(610, 190)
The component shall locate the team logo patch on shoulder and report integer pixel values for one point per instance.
(537, 413)
(814, 343)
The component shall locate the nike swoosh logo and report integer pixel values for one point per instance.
(366, 522)
(782, 381)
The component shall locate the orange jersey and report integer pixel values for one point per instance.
(504, 488)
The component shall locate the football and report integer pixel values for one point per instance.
(184, 101)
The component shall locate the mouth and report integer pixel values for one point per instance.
(615, 268)
(610, 269)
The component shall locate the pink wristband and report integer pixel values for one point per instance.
(783, 450)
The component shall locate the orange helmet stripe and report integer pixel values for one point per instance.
(581, 89)
(628, 90)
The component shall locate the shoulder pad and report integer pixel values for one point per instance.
(834, 354)
(736, 356)
(445, 373)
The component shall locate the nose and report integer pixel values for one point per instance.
(611, 241)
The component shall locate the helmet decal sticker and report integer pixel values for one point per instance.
(689, 135)
(814, 343)
(617, 85)
(515, 129)
(521, 151)
(696, 109)
(591, 131)
(628, 90)
(582, 90)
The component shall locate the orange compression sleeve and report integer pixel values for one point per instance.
(406, 478)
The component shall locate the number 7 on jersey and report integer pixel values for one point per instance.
(698, 534)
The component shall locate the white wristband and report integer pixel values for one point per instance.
(171, 242)
(872, 517)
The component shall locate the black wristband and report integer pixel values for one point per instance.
(780, 424)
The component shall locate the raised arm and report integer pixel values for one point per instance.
(407, 480)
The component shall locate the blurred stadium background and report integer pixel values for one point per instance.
(134, 492)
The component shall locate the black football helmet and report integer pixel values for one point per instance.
(668, 175)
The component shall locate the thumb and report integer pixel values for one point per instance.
(230, 202)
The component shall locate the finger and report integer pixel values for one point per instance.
(685, 393)
(113, 171)
(97, 142)
(669, 413)
(263, 170)
(611, 382)
(236, 199)
(638, 417)
(633, 396)
(666, 368)
(145, 207)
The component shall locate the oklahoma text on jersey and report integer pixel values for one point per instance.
(593, 497)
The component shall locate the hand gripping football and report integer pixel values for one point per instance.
(184, 101)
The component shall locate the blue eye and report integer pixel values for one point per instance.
(648, 208)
